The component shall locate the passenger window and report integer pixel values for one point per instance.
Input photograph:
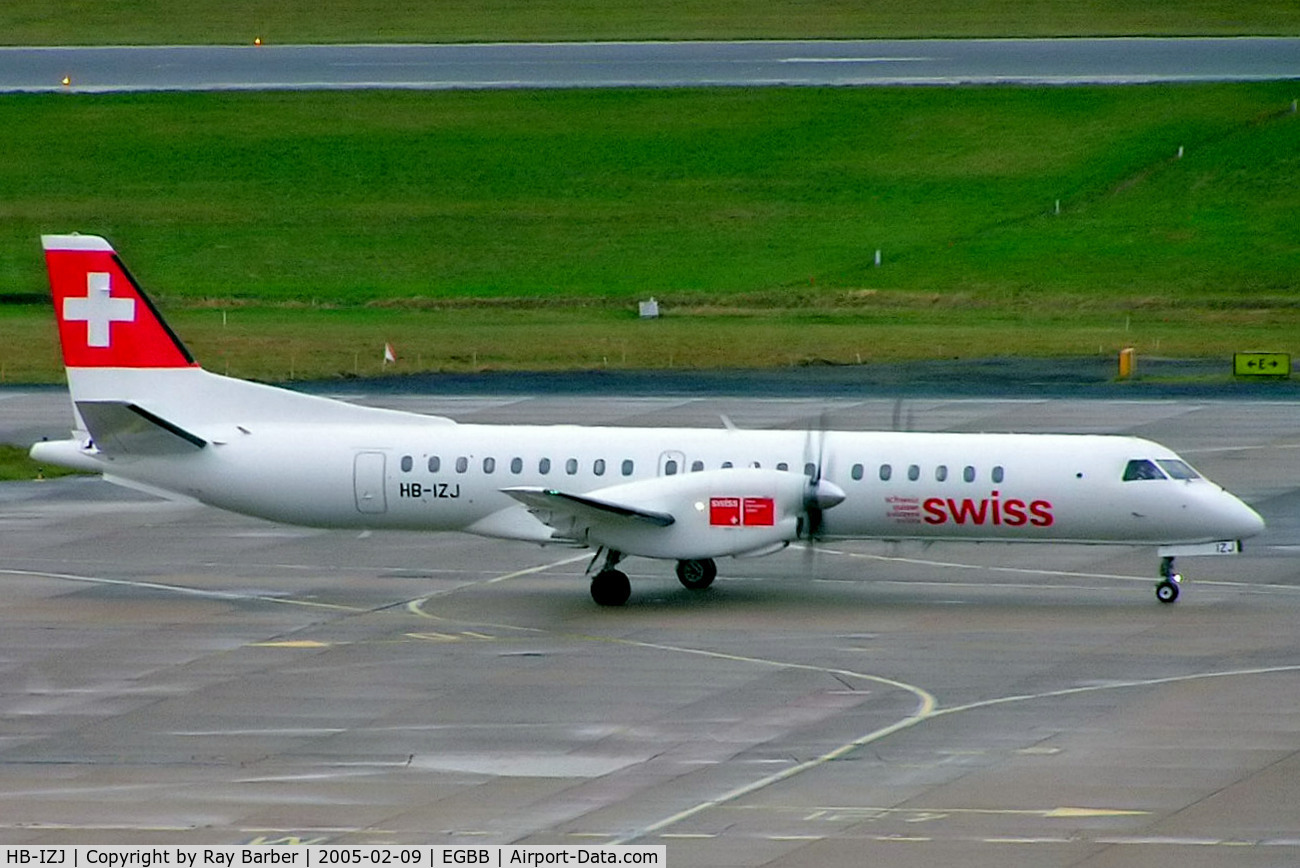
(998, 474)
(755, 465)
(885, 472)
(489, 465)
(1140, 468)
(462, 464)
(516, 466)
(628, 467)
(435, 463)
(670, 467)
(968, 473)
(697, 466)
(1177, 469)
(856, 472)
(726, 465)
(913, 472)
(598, 467)
(407, 463)
(810, 470)
(941, 473)
(571, 466)
(782, 466)
(544, 466)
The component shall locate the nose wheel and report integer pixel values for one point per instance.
(1168, 587)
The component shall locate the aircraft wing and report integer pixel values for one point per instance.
(121, 427)
(564, 511)
(685, 516)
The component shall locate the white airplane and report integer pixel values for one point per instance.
(147, 416)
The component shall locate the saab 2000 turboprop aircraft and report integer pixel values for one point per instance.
(146, 415)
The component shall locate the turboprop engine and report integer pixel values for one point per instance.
(740, 511)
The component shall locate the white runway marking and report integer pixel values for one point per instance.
(856, 59)
(179, 589)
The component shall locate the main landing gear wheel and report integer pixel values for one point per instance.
(1169, 586)
(611, 588)
(697, 575)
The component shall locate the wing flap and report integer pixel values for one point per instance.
(559, 508)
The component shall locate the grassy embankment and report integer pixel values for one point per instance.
(15, 466)
(517, 230)
(134, 22)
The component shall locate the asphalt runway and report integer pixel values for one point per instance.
(177, 674)
(649, 64)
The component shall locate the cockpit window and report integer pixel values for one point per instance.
(1177, 469)
(1141, 468)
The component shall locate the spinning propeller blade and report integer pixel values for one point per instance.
(819, 494)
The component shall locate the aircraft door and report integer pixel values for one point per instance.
(368, 482)
(671, 463)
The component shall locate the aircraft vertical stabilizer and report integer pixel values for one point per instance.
(119, 353)
(105, 321)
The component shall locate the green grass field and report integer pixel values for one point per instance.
(518, 229)
(752, 194)
(15, 466)
(285, 344)
(134, 22)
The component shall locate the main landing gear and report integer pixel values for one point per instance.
(610, 586)
(1168, 587)
(697, 575)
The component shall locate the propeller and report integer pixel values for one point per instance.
(819, 494)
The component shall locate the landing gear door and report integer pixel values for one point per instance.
(672, 463)
(368, 482)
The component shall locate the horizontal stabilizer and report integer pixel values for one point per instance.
(123, 428)
(551, 500)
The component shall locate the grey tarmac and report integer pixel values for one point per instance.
(648, 64)
(170, 673)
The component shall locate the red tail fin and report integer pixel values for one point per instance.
(105, 320)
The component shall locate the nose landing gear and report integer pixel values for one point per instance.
(1168, 587)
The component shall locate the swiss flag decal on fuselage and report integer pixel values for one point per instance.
(742, 512)
(105, 321)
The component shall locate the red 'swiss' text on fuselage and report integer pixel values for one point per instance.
(989, 510)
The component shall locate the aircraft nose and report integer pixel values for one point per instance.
(1245, 521)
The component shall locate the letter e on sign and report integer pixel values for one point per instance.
(760, 512)
(724, 511)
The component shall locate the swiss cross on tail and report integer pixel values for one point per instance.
(105, 321)
(98, 309)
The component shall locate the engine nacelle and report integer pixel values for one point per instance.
(715, 513)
